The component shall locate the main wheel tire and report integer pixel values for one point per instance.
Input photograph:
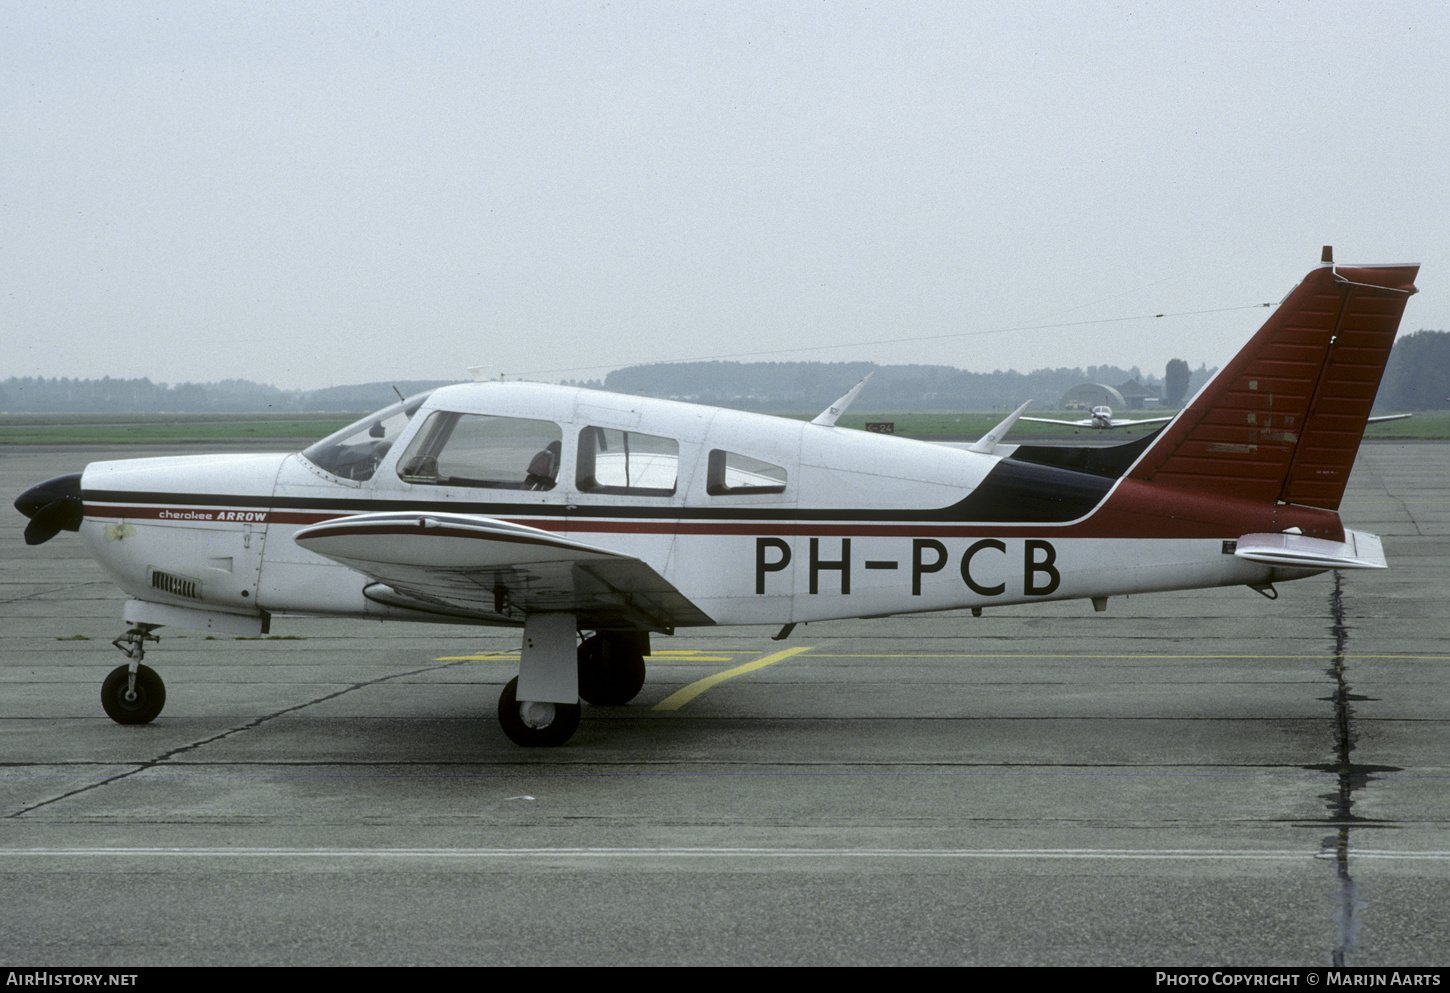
(611, 669)
(145, 704)
(533, 724)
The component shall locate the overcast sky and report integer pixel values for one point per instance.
(313, 193)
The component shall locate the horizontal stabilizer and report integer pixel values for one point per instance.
(1358, 550)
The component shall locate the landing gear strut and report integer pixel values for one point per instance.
(541, 706)
(134, 693)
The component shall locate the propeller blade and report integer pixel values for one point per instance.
(62, 515)
(53, 506)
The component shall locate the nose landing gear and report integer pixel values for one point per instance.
(134, 693)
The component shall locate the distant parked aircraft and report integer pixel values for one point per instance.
(1102, 420)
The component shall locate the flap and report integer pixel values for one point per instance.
(496, 571)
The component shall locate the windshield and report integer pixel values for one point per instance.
(356, 451)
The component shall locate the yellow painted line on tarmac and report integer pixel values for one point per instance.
(681, 697)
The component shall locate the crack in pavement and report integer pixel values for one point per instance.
(58, 589)
(250, 725)
(1348, 907)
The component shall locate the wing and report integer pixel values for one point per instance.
(1387, 417)
(1126, 423)
(496, 571)
(1047, 420)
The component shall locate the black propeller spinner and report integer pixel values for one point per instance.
(53, 506)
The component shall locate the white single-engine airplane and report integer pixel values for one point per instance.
(594, 520)
(1102, 420)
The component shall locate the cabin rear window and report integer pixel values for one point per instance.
(614, 461)
(508, 453)
(731, 473)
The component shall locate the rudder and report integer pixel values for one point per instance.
(1281, 423)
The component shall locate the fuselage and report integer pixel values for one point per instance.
(593, 520)
(754, 519)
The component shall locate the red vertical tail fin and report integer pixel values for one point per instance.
(1281, 423)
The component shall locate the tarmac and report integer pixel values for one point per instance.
(1193, 779)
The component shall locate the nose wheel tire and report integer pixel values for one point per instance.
(534, 723)
(127, 706)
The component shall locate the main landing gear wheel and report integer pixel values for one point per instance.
(535, 724)
(611, 668)
(126, 705)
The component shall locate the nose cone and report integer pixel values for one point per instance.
(53, 506)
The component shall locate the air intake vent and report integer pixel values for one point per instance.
(175, 585)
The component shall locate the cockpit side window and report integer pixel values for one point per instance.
(356, 451)
(614, 461)
(508, 453)
(729, 473)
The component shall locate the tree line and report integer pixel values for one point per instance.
(798, 386)
(1416, 378)
(37, 395)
